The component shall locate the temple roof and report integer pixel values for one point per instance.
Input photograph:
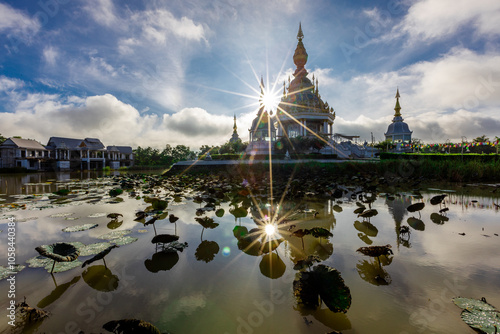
(302, 95)
(398, 126)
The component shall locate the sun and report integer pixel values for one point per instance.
(269, 100)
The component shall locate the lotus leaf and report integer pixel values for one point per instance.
(325, 282)
(59, 252)
(124, 240)
(97, 215)
(62, 192)
(115, 192)
(270, 245)
(479, 315)
(79, 228)
(114, 234)
(63, 214)
(114, 224)
(94, 249)
(6, 271)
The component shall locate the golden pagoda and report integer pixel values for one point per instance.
(301, 110)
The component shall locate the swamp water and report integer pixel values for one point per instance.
(218, 285)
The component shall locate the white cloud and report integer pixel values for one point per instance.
(432, 20)
(455, 95)
(105, 117)
(8, 84)
(103, 12)
(50, 55)
(17, 22)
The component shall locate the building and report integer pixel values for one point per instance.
(301, 111)
(86, 154)
(24, 153)
(262, 134)
(235, 137)
(398, 131)
(119, 156)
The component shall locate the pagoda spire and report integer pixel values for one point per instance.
(235, 128)
(300, 34)
(300, 55)
(261, 97)
(397, 108)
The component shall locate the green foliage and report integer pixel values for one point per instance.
(480, 139)
(479, 315)
(385, 145)
(167, 157)
(2, 138)
(115, 192)
(301, 145)
(232, 147)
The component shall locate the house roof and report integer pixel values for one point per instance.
(75, 144)
(124, 149)
(23, 143)
(57, 142)
(112, 148)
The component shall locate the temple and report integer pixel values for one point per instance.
(301, 110)
(262, 134)
(398, 131)
(234, 137)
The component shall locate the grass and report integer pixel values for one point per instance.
(439, 170)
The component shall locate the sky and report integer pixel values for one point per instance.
(151, 73)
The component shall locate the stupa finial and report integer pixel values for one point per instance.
(397, 108)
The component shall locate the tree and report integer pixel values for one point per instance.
(2, 138)
(205, 148)
(233, 147)
(385, 145)
(481, 139)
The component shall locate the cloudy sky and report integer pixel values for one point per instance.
(151, 72)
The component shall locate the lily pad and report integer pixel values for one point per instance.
(124, 240)
(79, 228)
(114, 235)
(6, 271)
(206, 251)
(94, 249)
(479, 315)
(63, 266)
(97, 215)
(63, 214)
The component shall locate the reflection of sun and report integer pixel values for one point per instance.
(270, 229)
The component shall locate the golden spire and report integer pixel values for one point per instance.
(397, 108)
(284, 89)
(300, 34)
(300, 55)
(234, 126)
(261, 97)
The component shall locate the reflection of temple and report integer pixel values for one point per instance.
(262, 134)
(302, 111)
(397, 208)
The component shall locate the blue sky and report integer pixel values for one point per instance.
(150, 73)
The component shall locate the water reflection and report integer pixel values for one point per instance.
(57, 292)
(206, 251)
(164, 260)
(100, 278)
(272, 266)
(371, 270)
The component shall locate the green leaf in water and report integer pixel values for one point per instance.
(479, 315)
(79, 228)
(114, 234)
(94, 249)
(6, 271)
(124, 240)
(219, 213)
